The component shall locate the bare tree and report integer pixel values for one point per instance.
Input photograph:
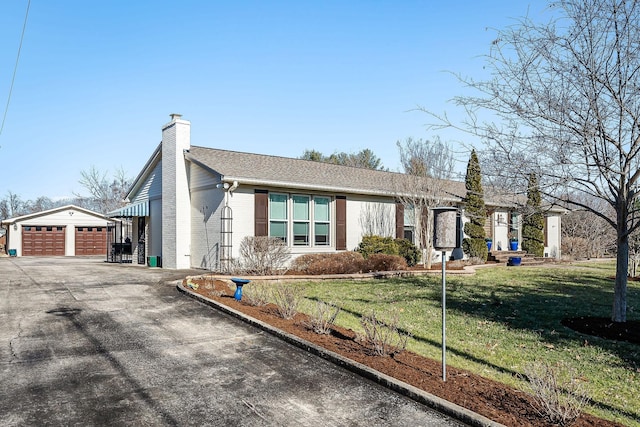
(375, 220)
(562, 102)
(11, 206)
(106, 195)
(426, 158)
(429, 164)
(586, 235)
(40, 204)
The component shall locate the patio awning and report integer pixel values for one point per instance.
(131, 210)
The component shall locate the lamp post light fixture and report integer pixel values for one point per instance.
(444, 238)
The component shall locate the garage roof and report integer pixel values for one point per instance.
(49, 212)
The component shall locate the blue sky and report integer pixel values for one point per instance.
(97, 80)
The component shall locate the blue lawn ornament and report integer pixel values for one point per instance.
(239, 284)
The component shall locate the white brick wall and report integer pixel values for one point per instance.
(365, 213)
(242, 202)
(205, 228)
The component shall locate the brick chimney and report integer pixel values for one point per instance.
(176, 206)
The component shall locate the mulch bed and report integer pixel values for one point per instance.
(489, 398)
(604, 327)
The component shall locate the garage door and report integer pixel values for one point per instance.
(91, 240)
(43, 240)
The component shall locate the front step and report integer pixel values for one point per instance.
(503, 257)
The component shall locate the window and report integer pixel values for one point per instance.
(301, 220)
(306, 218)
(409, 223)
(514, 223)
(278, 216)
(321, 221)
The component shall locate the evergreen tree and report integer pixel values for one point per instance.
(362, 159)
(533, 224)
(474, 244)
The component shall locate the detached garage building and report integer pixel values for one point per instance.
(64, 231)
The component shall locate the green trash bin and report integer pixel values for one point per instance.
(13, 252)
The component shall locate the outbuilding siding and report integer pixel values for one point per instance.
(69, 217)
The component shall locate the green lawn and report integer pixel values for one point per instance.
(503, 318)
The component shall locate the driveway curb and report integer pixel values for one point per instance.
(451, 409)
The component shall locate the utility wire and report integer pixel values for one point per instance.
(15, 68)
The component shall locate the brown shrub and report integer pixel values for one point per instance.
(558, 393)
(384, 262)
(384, 335)
(338, 263)
(322, 317)
(334, 263)
(263, 255)
(288, 298)
(303, 262)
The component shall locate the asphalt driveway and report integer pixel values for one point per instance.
(87, 343)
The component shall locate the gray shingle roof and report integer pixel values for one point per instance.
(285, 172)
(297, 173)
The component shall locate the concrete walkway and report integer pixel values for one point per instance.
(88, 343)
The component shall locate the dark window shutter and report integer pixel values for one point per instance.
(261, 213)
(399, 220)
(341, 223)
(546, 231)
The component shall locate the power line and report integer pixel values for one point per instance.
(15, 68)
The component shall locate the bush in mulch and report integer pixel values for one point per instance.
(384, 262)
(334, 263)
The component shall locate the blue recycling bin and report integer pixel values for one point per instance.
(514, 261)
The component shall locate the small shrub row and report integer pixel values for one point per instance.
(347, 263)
(334, 263)
(384, 262)
(286, 296)
(382, 334)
